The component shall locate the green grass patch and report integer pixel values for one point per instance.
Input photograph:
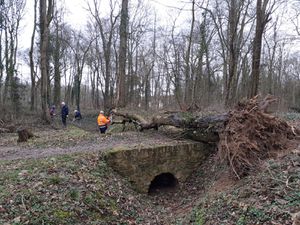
(199, 217)
(74, 194)
(55, 180)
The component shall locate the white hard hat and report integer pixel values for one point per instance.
(101, 112)
(63, 103)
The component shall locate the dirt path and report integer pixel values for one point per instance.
(94, 143)
(11, 153)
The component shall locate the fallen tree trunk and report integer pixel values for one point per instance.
(198, 128)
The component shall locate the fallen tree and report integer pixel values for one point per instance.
(244, 136)
(198, 128)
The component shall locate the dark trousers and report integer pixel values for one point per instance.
(103, 129)
(64, 120)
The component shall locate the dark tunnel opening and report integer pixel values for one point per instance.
(163, 182)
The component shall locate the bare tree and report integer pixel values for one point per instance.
(31, 60)
(296, 17)
(12, 15)
(271, 46)
(2, 25)
(188, 80)
(80, 48)
(262, 18)
(106, 29)
(59, 40)
(46, 12)
(231, 40)
(137, 29)
(121, 88)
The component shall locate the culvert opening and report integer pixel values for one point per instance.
(163, 182)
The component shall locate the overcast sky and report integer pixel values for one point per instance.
(76, 14)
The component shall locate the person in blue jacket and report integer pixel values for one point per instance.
(64, 113)
(77, 115)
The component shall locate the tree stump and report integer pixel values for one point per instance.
(24, 134)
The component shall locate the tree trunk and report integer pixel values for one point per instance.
(233, 26)
(11, 29)
(121, 88)
(32, 71)
(57, 73)
(80, 59)
(1, 60)
(262, 18)
(45, 19)
(107, 47)
(188, 81)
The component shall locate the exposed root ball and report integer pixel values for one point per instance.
(251, 135)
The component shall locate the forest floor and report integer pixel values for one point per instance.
(60, 177)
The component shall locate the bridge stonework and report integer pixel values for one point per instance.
(142, 164)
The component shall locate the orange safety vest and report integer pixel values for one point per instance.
(102, 120)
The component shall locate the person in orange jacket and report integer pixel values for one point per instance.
(102, 122)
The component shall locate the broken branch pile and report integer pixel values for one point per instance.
(251, 135)
(6, 127)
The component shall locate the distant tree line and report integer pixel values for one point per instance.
(125, 57)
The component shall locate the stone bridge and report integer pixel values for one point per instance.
(171, 163)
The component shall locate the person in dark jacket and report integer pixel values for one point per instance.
(77, 115)
(64, 113)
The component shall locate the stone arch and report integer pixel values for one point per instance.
(163, 181)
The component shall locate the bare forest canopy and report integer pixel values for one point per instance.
(128, 56)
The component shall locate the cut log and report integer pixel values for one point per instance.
(24, 134)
